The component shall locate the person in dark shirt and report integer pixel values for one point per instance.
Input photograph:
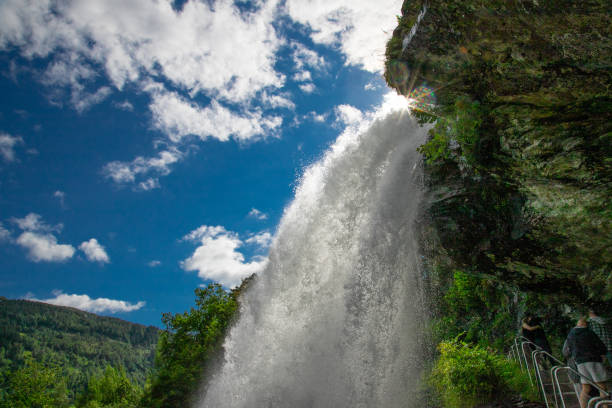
(532, 330)
(589, 352)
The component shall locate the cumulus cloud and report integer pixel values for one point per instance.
(44, 247)
(34, 222)
(213, 49)
(316, 117)
(217, 257)
(195, 48)
(216, 61)
(307, 87)
(94, 251)
(263, 240)
(255, 213)
(126, 172)
(348, 115)
(277, 101)
(39, 239)
(359, 28)
(178, 117)
(7, 146)
(305, 57)
(154, 263)
(84, 302)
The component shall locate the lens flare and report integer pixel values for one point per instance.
(422, 98)
(398, 73)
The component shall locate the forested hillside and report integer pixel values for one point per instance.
(80, 344)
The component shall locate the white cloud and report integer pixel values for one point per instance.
(302, 76)
(210, 49)
(348, 115)
(371, 86)
(217, 49)
(154, 263)
(61, 196)
(217, 257)
(125, 105)
(359, 28)
(255, 213)
(126, 172)
(178, 117)
(317, 117)
(84, 302)
(263, 240)
(277, 101)
(7, 146)
(94, 251)
(307, 87)
(149, 184)
(305, 57)
(84, 101)
(34, 222)
(5, 235)
(44, 247)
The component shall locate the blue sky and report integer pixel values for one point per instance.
(148, 147)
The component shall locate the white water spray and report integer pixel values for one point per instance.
(408, 37)
(334, 319)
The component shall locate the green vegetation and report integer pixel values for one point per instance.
(61, 357)
(190, 341)
(78, 344)
(466, 376)
(112, 389)
(34, 386)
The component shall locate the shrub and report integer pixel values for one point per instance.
(465, 376)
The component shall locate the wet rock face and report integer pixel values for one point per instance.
(529, 196)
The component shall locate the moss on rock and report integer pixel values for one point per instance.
(526, 195)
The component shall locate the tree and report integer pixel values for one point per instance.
(35, 386)
(190, 340)
(112, 389)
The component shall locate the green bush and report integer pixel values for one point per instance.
(465, 376)
(461, 124)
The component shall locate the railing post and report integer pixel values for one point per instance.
(526, 363)
(534, 359)
(558, 388)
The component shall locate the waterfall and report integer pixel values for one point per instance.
(334, 320)
(408, 37)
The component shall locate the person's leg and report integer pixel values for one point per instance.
(584, 395)
(603, 386)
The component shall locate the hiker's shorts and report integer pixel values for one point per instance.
(596, 372)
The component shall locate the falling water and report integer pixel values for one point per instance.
(333, 321)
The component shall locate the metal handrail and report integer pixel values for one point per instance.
(554, 372)
(608, 401)
(538, 351)
(534, 359)
(595, 400)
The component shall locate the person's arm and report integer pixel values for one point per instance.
(566, 350)
(530, 328)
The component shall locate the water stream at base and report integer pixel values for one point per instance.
(334, 320)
